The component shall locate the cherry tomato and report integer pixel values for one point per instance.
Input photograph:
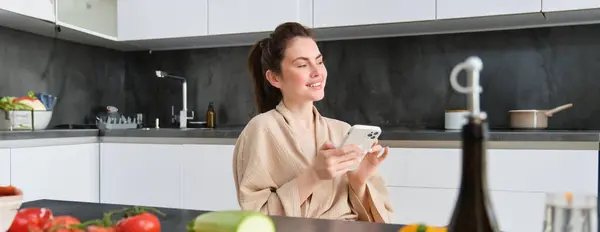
(145, 222)
(32, 219)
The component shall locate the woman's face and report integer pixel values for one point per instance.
(303, 73)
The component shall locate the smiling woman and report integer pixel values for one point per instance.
(285, 162)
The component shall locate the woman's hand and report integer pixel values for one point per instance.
(368, 165)
(332, 162)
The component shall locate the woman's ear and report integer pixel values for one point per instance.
(273, 78)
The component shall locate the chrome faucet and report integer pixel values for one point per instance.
(183, 114)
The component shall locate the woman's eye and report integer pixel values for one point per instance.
(301, 66)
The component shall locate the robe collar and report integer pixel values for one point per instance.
(304, 142)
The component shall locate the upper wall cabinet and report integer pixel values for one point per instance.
(564, 5)
(448, 9)
(335, 13)
(41, 9)
(152, 19)
(96, 17)
(243, 16)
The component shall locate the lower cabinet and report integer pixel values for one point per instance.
(65, 172)
(423, 183)
(176, 176)
(515, 211)
(208, 182)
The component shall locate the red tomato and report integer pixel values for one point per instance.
(62, 221)
(32, 219)
(8, 191)
(145, 222)
(100, 229)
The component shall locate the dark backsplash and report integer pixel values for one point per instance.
(81, 76)
(390, 81)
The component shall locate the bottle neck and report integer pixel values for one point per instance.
(474, 156)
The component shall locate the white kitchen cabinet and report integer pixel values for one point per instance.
(4, 167)
(336, 13)
(208, 182)
(156, 19)
(40, 9)
(507, 169)
(515, 211)
(422, 205)
(422, 167)
(166, 175)
(95, 17)
(543, 170)
(423, 182)
(244, 16)
(65, 172)
(562, 5)
(141, 174)
(449, 9)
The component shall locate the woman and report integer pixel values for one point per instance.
(285, 161)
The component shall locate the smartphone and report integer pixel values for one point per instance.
(364, 136)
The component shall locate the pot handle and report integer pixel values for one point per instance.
(551, 112)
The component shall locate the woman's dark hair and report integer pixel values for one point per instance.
(267, 54)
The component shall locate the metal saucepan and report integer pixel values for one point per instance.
(533, 119)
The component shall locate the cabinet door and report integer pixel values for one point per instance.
(404, 167)
(447, 9)
(156, 19)
(208, 182)
(334, 13)
(432, 206)
(562, 5)
(41, 9)
(543, 170)
(141, 174)
(514, 211)
(66, 172)
(96, 17)
(4, 167)
(243, 16)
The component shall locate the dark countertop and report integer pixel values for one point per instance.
(47, 134)
(176, 219)
(389, 133)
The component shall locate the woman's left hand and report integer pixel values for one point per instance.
(368, 165)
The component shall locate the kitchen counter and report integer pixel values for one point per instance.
(233, 132)
(47, 134)
(391, 136)
(176, 219)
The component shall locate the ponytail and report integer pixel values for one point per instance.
(267, 54)
(267, 96)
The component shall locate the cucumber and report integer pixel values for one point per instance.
(232, 221)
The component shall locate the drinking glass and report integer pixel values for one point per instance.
(568, 212)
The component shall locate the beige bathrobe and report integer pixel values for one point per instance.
(271, 151)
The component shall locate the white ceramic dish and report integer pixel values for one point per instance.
(9, 206)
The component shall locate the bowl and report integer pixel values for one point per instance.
(9, 206)
(41, 119)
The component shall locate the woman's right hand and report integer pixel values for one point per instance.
(332, 162)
